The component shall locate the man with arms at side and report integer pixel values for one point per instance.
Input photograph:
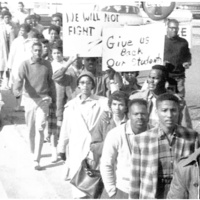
(177, 55)
(36, 76)
(115, 160)
(157, 151)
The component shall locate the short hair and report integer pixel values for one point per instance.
(162, 68)
(34, 34)
(55, 28)
(20, 2)
(37, 44)
(37, 17)
(135, 72)
(167, 97)
(6, 12)
(4, 7)
(57, 15)
(29, 17)
(137, 101)
(58, 47)
(118, 96)
(172, 21)
(26, 27)
(45, 41)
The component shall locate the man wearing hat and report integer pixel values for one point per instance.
(156, 81)
(103, 81)
(80, 117)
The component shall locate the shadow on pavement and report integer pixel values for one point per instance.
(54, 164)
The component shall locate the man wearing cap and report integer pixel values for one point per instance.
(156, 81)
(103, 81)
(80, 117)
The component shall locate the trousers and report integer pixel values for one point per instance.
(36, 111)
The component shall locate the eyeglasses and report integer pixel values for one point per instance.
(173, 28)
(56, 20)
(85, 82)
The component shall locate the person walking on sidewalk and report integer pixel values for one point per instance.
(36, 76)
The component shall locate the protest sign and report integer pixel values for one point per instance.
(133, 48)
(83, 32)
(185, 31)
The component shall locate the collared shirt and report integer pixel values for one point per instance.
(85, 106)
(58, 65)
(104, 125)
(166, 151)
(144, 172)
(153, 116)
(184, 118)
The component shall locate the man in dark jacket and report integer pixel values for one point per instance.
(177, 55)
(185, 184)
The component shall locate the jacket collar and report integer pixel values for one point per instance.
(192, 158)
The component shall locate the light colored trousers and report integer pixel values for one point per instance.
(36, 111)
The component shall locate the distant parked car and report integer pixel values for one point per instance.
(129, 14)
(194, 7)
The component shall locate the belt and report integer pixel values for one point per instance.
(166, 180)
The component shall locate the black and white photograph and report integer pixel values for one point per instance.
(99, 99)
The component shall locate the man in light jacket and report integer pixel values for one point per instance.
(186, 181)
(115, 160)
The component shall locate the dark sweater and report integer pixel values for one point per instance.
(37, 79)
(176, 52)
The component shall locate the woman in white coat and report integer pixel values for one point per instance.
(80, 117)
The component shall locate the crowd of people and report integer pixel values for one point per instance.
(134, 134)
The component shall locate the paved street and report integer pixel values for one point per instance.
(18, 179)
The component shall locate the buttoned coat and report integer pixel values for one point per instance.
(186, 181)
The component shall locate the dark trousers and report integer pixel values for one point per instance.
(163, 187)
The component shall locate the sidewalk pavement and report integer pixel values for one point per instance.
(18, 178)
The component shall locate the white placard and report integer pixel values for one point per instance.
(185, 31)
(83, 32)
(133, 48)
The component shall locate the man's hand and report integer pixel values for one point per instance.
(186, 65)
(71, 60)
(63, 156)
(111, 73)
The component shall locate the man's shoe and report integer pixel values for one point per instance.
(37, 165)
